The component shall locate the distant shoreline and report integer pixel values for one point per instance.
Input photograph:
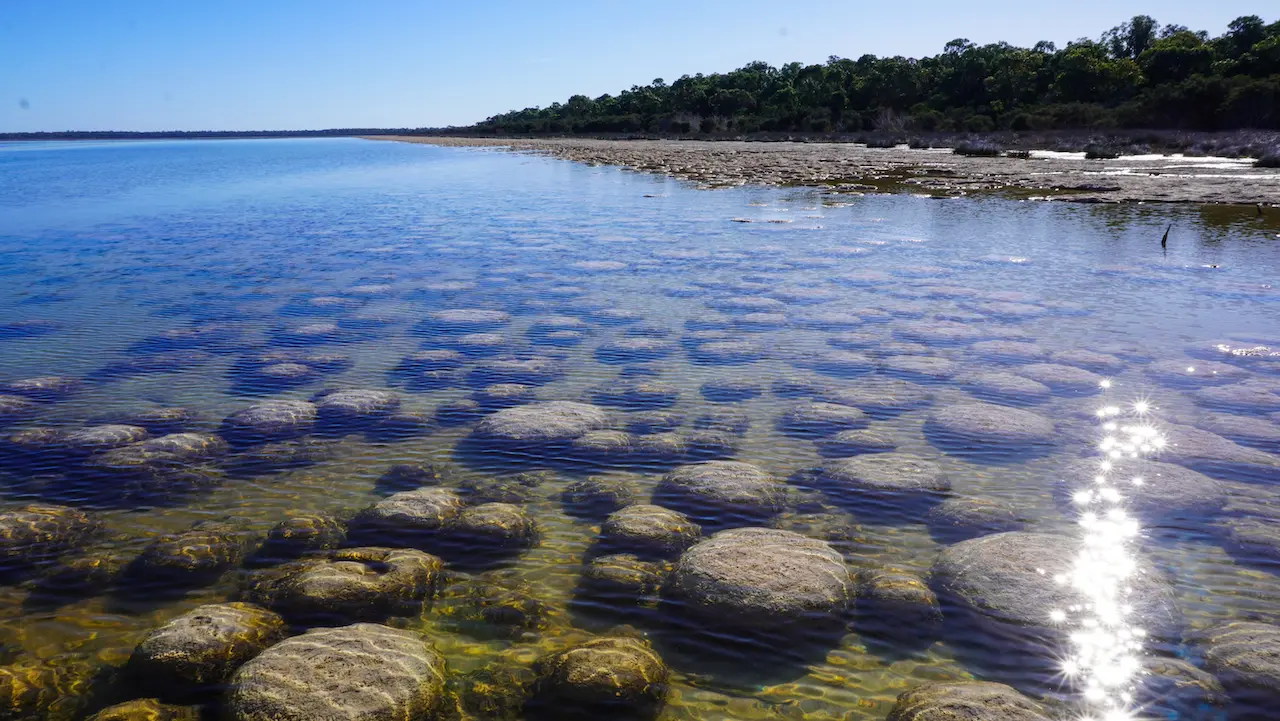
(847, 168)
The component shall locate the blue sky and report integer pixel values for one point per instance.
(285, 64)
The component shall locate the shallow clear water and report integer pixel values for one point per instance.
(108, 245)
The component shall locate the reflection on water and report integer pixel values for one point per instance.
(222, 364)
(1106, 655)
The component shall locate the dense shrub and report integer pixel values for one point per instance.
(977, 149)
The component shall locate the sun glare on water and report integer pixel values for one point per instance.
(1105, 639)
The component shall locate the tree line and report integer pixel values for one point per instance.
(1138, 74)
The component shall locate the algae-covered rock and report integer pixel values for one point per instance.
(367, 583)
(542, 423)
(612, 675)
(897, 603)
(33, 534)
(193, 557)
(203, 647)
(726, 492)
(624, 577)
(985, 427)
(298, 535)
(963, 517)
(648, 529)
(363, 671)
(493, 526)
(763, 578)
(408, 517)
(821, 419)
(270, 420)
(1245, 656)
(146, 709)
(963, 700)
(1007, 582)
(597, 497)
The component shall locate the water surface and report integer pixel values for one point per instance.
(108, 245)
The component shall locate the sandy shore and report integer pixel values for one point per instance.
(850, 168)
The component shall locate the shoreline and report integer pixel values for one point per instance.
(846, 168)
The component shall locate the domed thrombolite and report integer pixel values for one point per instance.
(611, 674)
(597, 496)
(492, 527)
(648, 529)
(624, 577)
(1160, 491)
(365, 671)
(203, 647)
(270, 420)
(638, 393)
(855, 442)
(299, 535)
(1006, 583)
(762, 578)
(345, 408)
(146, 709)
(965, 700)
(821, 419)
(408, 517)
(1245, 656)
(883, 478)
(962, 517)
(368, 583)
(535, 371)
(195, 556)
(880, 397)
(550, 422)
(34, 534)
(722, 492)
(897, 602)
(984, 427)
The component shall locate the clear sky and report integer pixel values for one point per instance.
(293, 64)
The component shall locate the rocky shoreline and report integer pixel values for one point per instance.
(848, 168)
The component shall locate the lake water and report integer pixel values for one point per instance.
(644, 297)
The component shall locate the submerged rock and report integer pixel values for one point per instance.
(1245, 656)
(726, 352)
(364, 671)
(647, 422)
(368, 583)
(348, 408)
(964, 700)
(146, 709)
(1163, 491)
(15, 408)
(722, 492)
(299, 535)
(1063, 379)
(196, 556)
(409, 516)
(881, 397)
(1247, 396)
(761, 578)
(1007, 583)
(203, 647)
(636, 393)
(896, 479)
(730, 390)
(986, 427)
(898, 604)
(534, 371)
(855, 442)
(1216, 456)
(610, 676)
(1255, 432)
(30, 535)
(649, 529)
(548, 422)
(624, 577)
(46, 389)
(1004, 387)
(1187, 373)
(493, 527)
(597, 497)
(634, 350)
(270, 420)
(464, 320)
(963, 517)
(812, 419)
